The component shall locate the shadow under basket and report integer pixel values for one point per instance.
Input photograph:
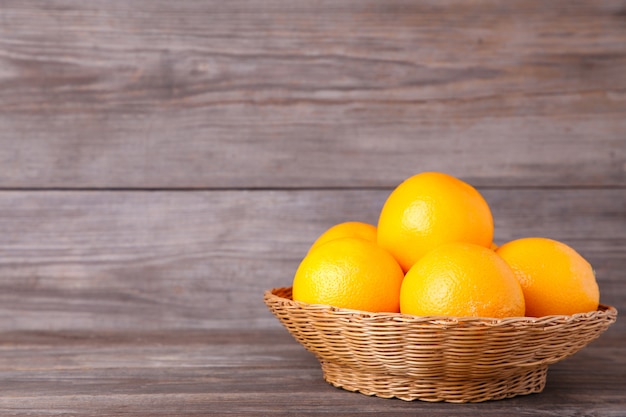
(454, 359)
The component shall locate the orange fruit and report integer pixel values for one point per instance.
(461, 279)
(349, 273)
(430, 209)
(347, 229)
(554, 277)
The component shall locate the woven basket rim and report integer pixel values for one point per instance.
(604, 311)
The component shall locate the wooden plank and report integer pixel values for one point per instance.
(250, 373)
(140, 261)
(257, 94)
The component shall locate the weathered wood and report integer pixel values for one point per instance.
(213, 94)
(173, 260)
(163, 163)
(251, 373)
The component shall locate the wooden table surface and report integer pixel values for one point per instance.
(164, 163)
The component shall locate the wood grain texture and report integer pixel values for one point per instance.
(163, 163)
(257, 94)
(175, 260)
(252, 373)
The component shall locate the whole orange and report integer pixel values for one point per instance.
(347, 229)
(461, 279)
(554, 277)
(430, 209)
(349, 273)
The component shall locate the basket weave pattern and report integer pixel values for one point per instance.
(435, 358)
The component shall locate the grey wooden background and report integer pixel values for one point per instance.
(163, 163)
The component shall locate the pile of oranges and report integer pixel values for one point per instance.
(432, 254)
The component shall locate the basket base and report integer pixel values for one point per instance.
(527, 381)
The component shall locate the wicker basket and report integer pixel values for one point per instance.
(435, 358)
